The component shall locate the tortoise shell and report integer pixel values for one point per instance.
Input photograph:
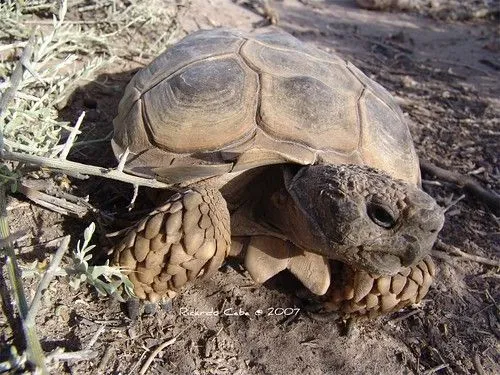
(222, 101)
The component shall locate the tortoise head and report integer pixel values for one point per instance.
(357, 215)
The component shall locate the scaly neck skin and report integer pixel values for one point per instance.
(277, 210)
(249, 200)
(267, 208)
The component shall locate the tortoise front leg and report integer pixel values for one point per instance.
(186, 238)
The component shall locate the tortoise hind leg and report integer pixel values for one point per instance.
(186, 238)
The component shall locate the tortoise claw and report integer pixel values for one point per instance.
(137, 308)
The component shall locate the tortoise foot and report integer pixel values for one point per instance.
(358, 293)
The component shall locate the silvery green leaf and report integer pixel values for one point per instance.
(74, 283)
(88, 232)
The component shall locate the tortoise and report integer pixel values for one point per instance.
(284, 155)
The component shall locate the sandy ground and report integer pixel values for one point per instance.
(445, 75)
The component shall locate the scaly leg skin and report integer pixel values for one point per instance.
(357, 293)
(186, 238)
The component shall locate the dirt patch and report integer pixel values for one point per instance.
(445, 75)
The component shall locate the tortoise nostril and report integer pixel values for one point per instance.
(410, 238)
(410, 257)
(413, 252)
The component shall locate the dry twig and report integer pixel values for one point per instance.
(4, 242)
(405, 316)
(436, 369)
(104, 360)
(469, 184)
(51, 243)
(477, 364)
(150, 359)
(53, 203)
(450, 249)
(47, 278)
(34, 349)
(95, 337)
(80, 355)
(444, 256)
(71, 138)
(82, 170)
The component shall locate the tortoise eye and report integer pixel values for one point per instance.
(381, 215)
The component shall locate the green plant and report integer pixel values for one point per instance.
(105, 279)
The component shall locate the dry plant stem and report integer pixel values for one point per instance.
(78, 200)
(95, 337)
(104, 361)
(93, 141)
(405, 316)
(490, 297)
(50, 243)
(436, 369)
(82, 170)
(123, 160)
(53, 203)
(444, 256)
(136, 364)
(453, 203)
(471, 186)
(47, 277)
(14, 45)
(80, 355)
(150, 359)
(33, 347)
(17, 75)
(477, 365)
(71, 137)
(134, 197)
(450, 249)
(4, 242)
